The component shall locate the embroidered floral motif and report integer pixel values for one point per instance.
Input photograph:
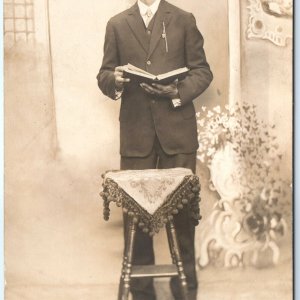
(152, 195)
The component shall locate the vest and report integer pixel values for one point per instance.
(148, 31)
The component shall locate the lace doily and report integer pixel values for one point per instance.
(152, 197)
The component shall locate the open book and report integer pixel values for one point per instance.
(139, 75)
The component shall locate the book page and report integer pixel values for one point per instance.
(138, 70)
(172, 73)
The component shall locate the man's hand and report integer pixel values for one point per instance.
(169, 90)
(119, 79)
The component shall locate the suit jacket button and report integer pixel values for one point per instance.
(148, 62)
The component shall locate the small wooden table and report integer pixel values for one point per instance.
(151, 198)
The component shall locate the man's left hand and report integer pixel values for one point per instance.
(156, 89)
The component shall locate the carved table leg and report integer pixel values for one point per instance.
(177, 258)
(124, 286)
(170, 243)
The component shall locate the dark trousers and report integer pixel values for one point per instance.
(143, 254)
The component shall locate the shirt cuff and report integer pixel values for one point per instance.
(118, 94)
(176, 102)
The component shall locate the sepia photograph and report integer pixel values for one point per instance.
(148, 149)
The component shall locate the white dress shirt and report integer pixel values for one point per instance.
(144, 8)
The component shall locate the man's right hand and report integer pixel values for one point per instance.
(119, 79)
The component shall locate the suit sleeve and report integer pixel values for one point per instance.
(200, 75)
(105, 77)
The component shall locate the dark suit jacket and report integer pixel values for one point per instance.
(142, 116)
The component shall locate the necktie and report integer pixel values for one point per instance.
(148, 18)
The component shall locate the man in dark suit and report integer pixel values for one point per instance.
(157, 122)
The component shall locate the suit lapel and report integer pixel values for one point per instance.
(137, 26)
(162, 15)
